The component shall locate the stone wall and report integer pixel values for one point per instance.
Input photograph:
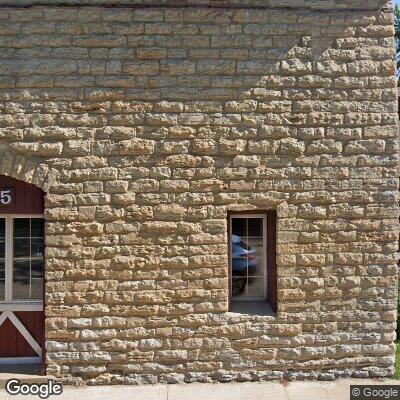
(146, 125)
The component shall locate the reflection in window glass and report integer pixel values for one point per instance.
(21, 279)
(36, 268)
(2, 257)
(28, 258)
(37, 248)
(21, 247)
(37, 227)
(21, 227)
(2, 247)
(2, 280)
(36, 288)
(247, 258)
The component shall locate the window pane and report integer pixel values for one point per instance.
(21, 248)
(21, 275)
(2, 227)
(2, 271)
(255, 287)
(2, 237)
(2, 280)
(2, 247)
(28, 258)
(255, 227)
(37, 268)
(21, 227)
(239, 284)
(255, 235)
(239, 226)
(37, 227)
(247, 258)
(37, 248)
(259, 267)
(2, 290)
(37, 288)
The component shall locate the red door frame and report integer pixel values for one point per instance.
(27, 199)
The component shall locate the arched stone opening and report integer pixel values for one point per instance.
(30, 170)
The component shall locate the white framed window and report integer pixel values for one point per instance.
(248, 257)
(21, 258)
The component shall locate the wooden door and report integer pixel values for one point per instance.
(21, 272)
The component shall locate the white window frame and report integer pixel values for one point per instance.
(265, 265)
(8, 303)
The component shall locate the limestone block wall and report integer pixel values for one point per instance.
(145, 125)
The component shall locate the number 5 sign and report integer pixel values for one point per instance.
(6, 197)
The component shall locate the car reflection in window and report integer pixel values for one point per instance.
(245, 265)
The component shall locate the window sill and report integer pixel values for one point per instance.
(21, 305)
(256, 308)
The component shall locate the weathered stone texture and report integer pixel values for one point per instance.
(146, 125)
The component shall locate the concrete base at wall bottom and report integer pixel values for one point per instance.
(306, 390)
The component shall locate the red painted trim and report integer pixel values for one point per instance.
(28, 199)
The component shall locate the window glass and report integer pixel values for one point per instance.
(21, 227)
(36, 268)
(2, 257)
(36, 288)
(2, 280)
(37, 227)
(21, 247)
(21, 279)
(37, 248)
(28, 258)
(247, 258)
